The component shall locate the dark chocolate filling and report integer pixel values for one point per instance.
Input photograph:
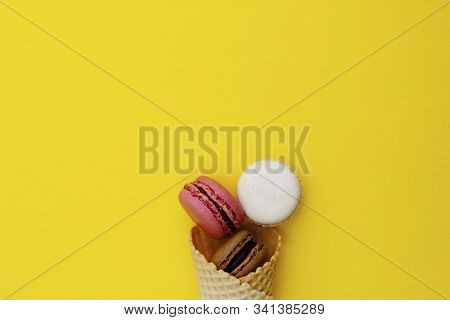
(240, 256)
(222, 212)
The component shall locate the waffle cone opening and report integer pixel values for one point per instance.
(217, 284)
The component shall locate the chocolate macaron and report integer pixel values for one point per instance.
(239, 255)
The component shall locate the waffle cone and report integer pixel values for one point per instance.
(219, 285)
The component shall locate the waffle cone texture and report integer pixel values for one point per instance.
(219, 285)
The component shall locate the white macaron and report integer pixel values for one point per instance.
(269, 192)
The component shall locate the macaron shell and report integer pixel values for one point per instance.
(268, 194)
(226, 196)
(232, 246)
(224, 254)
(253, 261)
(201, 215)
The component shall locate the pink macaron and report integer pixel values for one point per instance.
(211, 207)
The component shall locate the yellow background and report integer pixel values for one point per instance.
(379, 147)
